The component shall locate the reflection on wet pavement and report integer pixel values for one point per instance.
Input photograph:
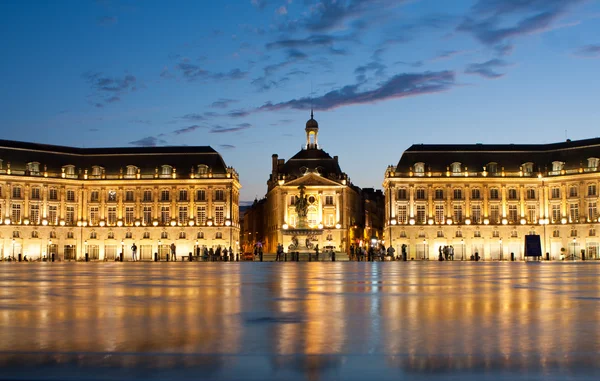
(315, 321)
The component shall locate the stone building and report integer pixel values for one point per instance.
(70, 201)
(333, 204)
(485, 198)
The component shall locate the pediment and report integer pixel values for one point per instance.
(312, 179)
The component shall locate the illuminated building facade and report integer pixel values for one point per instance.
(485, 198)
(71, 201)
(333, 204)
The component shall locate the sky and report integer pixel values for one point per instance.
(242, 75)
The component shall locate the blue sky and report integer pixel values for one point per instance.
(240, 75)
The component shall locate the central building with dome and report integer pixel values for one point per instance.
(310, 200)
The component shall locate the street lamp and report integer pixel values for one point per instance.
(501, 253)
(573, 255)
(424, 249)
(462, 256)
(13, 249)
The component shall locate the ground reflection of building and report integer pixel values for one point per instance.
(70, 201)
(485, 198)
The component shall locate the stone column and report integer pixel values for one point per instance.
(44, 211)
(26, 201)
(209, 198)
(522, 201)
(155, 196)
(564, 206)
(337, 208)
(503, 190)
(467, 201)
(8, 200)
(485, 192)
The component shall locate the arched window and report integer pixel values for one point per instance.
(69, 170)
(164, 235)
(218, 235)
(146, 235)
(200, 235)
(111, 235)
(131, 171)
(456, 167)
(128, 235)
(181, 235)
(166, 170)
(312, 216)
(492, 167)
(202, 169)
(93, 235)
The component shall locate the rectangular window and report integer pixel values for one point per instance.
(164, 195)
(328, 200)
(476, 214)
(512, 194)
(402, 194)
(555, 192)
(219, 215)
(147, 196)
(34, 214)
(165, 215)
(200, 195)
(420, 194)
(421, 214)
(16, 192)
(183, 215)
(531, 194)
(458, 194)
(513, 215)
(147, 215)
(129, 196)
(439, 194)
(129, 215)
(53, 194)
(574, 212)
(439, 214)
(35, 193)
(556, 215)
(183, 195)
(458, 214)
(475, 194)
(201, 215)
(16, 214)
(592, 212)
(476, 234)
(219, 195)
(94, 196)
(592, 190)
(494, 214)
(531, 214)
(292, 200)
(494, 194)
(402, 214)
(53, 214)
(70, 215)
(329, 220)
(112, 215)
(70, 195)
(94, 215)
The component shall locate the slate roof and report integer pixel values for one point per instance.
(311, 158)
(510, 156)
(111, 159)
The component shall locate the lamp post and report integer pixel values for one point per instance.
(501, 252)
(424, 249)
(462, 255)
(122, 250)
(572, 255)
(158, 249)
(13, 249)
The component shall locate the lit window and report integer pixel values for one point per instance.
(557, 166)
(420, 194)
(556, 192)
(166, 170)
(527, 168)
(16, 214)
(147, 196)
(183, 215)
(475, 194)
(129, 195)
(202, 169)
(35, 193)
(147, 216)
(494, 194)
(456, 167)
(201, 215)
(183, 195)
(131, 171)
(593, 162)
(419, 167)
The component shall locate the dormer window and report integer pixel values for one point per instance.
(69, 170)
(492, 167)
(456, 167)
(557, 166)
(527, 168)
(96, 170)
(131, 171)
(202, 169)
(320, 170)
(593, 162)
(166, 171)
(303, 170)
(33, 168)
(419, 167)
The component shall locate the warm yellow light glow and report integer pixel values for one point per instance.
(119, 223)
(137, 223)
(191, 222)
(209, 222)
(523, 221)
(394, 222)
(26, 221)
(338, 226)
(411, 221)
(61, 223)
(154, 223)
(79, 223)
(173, 223)
(563, 221)
(449, 221)
(430, 221)
(285, 226)
(84, 223)
(7, 221)
(320, 226)
(468, 221)
(504, 221)
(102, 223)
(486, 221)
(227, 223)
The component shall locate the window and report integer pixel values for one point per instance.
(475, 194)
(70, 195)
(164, 235)
(129, 196)
(492, 167)
(16, 234)
(419, 167)
(147, 195)
(69, 170)
(592, 211)
(514, 234)
(593, 162)
(329, 200)
(420, 194)
(531, 214)
(495, 234)
(112, 215)
(52, 234)
(111, 235)
(439, 194)
(94, 215)
(129, 216)
(93, 235)
(201, 215)
(219, 235)
(202, 169)
(181, 235)
(456, 168)
(512, 194)
(530, 193)
(439, 214)
(476, 214)
(573, 233)
(402, 194)
(147, 215)
(440, 233)
(35, 193)
(53, 214)
(53, 194)
(70, 215)
(494, 194)
(164, 195)
(592, 232)
(16, 214)
(165, 215)
(112, 195)
(70, 235)
(200, 235)
(555, 193)
(128, 235)
(146, 235)
(34, 214)
(458, 194)
(421, 234)
(219, 195)
(573, 191)
(557, 166)
(592, 190)
(494, 214)
(94, 196)
(556, 233)
(35, 234)
(402, 214)
(16, 191)
(421, 214)
(166, 170)
(527, 168)
(402, 234)
(33, 168)
(201, 195)
(292, 200)
(458, 234)
(96, 171)
(131, 171)
(220, 215)
(556, 215)
(183, 215)
(574, 212)
(513, 216)
(183, 195)
(476, 234)
(458, 214)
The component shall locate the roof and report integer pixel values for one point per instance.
(312, 159)
(510, 156)
(113, 159)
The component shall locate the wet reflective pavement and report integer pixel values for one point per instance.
(300, 321)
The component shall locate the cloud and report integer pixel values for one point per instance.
(194, 117)
(260, 4)
(149, 141)
(308, 42)
(223, 103)
(589, 51)
(328, 15)
(193, 72)
(487, 69)
(281, 10)
(140, 121)
(187, 129)
(112, 99)
(107, 20)
(110, 84)
(448, 54)
(222, 130)
(238, 113)
(377, 67)
(232, 74)
(165, 73)
(226, 146)
(397, 87)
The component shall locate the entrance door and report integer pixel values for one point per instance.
(163, 252)
(592, 250)
(70, 252)
(110, 252)
(146, 252)
(94, 252)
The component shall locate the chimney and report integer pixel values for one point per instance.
(335, 158)
(274, 163)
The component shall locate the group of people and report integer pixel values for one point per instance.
(207, 254)
(446, 253)
(373, 253)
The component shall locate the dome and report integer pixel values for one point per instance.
(312, 123)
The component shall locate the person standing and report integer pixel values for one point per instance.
(134, 252)
(173, 253)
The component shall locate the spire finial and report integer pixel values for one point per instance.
(311, 113)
